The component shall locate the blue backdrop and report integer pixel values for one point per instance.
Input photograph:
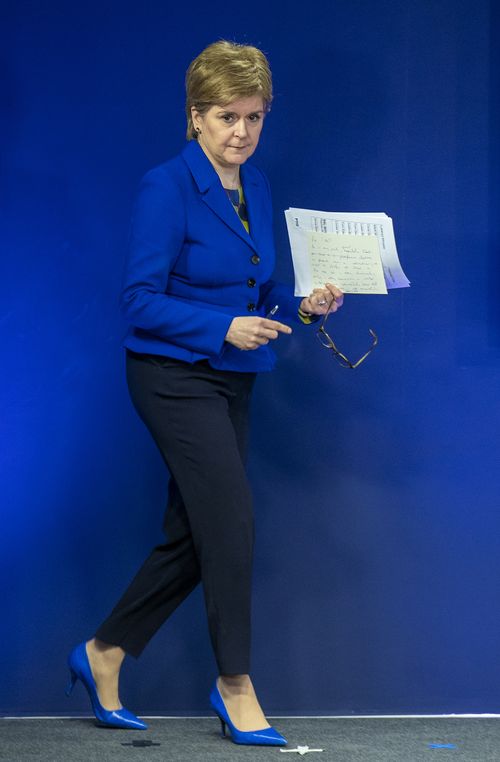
(377, 572)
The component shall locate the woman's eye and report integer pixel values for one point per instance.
(227, 118)
(254, 117)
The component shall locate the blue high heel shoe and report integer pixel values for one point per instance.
(264, 737)
(79, 667)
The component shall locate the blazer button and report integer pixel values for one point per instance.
(255, 259)
(251, 307)
(251, 282)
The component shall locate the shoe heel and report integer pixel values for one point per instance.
(72, 681)
(222, 726)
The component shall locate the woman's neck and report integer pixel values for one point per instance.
(229, 177)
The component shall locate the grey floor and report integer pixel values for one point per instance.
(193, 740)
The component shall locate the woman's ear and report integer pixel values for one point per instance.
(196, 119)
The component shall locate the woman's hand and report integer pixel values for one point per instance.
(253, 332)
(322, 300)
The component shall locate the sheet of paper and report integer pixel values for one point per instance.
(343, 223)
(351, 262)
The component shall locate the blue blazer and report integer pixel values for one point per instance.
(192, 266)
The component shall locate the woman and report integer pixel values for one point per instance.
(199, 298)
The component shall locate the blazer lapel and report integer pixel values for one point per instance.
(216, 198)
(253, 200)
(214, 195)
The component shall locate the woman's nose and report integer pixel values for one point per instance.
(240, 128)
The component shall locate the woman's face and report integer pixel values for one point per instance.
(230, 134)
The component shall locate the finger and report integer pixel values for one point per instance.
(335, 299)
(268, 333)
(317, 303)
(275, 325)
(322, 302)
(322, 298)
(335, 292)
(319, 296)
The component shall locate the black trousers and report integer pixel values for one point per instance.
(198, 417)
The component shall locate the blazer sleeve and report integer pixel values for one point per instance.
(272, 293)
(156, 240)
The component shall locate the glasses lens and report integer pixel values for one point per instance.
(325, 339)
(342, 360)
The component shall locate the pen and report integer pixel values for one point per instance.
(273, 312)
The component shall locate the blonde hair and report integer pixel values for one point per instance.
(224, 72)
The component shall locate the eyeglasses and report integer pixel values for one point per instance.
(329, 343)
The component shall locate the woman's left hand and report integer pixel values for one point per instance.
(322, 300)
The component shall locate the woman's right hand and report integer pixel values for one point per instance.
(253, 332)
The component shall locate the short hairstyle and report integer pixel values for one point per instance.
(224, 72)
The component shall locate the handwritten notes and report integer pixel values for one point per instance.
(354, 264)
(351, 262)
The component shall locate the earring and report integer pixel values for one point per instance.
(198, 130)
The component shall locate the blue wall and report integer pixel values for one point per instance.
(377, 572)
